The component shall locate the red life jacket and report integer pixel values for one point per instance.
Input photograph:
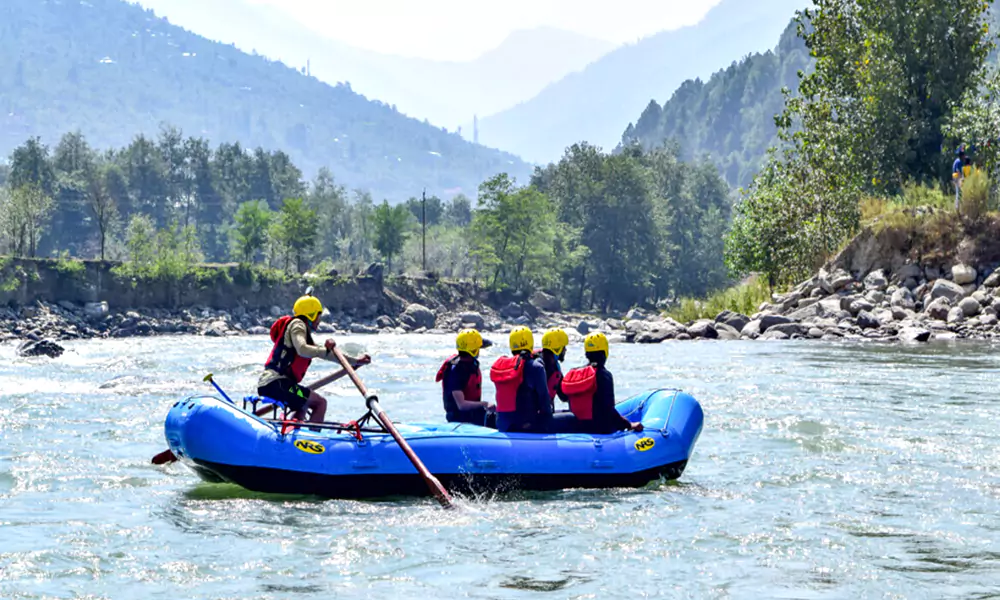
(473, 390)
(554, 379)
(581, 385)
(507, 373)
(284, 359)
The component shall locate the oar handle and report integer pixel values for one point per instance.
(435, 487)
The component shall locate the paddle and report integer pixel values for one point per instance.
(435, 487)
(167, 456)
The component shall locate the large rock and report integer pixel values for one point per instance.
(774, 335)
(658, 332)
(993, 280)
(833, 282)
(909, 271)
(735, 320)
(511, 311)
(752, 329)
(813, 311)
(970, 307)
(963, 274)
(472, 318)
(876, 280)
(943, 288)
(95, 311)
(988, 320)
(40, 348)
(789, 329)
(938, 309)
(417, 315)
(768, 321)
(914, 334)
(867, 321)
(387, 322)
(704, 329)
(727, 332)
(546, 302)
(902, 298)
(375, 270)
(956, 315)
(861, 305)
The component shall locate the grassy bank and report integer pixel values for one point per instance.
(742, 298)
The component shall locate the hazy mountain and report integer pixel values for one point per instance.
(113, 70)
(596, 103)
(446, 93)
(729, 117)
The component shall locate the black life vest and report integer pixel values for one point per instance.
(284, 359)
(581, 385)
(473, 389)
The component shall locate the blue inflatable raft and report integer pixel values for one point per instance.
(223, 442)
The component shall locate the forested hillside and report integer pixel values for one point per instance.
(112, 70)
(730, 117)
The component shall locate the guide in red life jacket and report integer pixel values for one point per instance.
(523, 402)
(462, 382)
(290, 357)
(591, 391)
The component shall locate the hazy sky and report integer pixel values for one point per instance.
(464, 29)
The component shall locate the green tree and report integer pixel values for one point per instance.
(101, 201)
(512, 235)
(391, 224)
(26, 210)
(249, 235)
(458, 211)
(296, 231)
(434, 207)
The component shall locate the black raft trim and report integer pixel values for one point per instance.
(372, 485)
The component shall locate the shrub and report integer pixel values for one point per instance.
(743, 298)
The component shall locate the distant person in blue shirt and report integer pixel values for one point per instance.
(957, 174)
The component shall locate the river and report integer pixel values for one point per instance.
(823, 471)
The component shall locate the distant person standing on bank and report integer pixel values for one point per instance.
(958, 174)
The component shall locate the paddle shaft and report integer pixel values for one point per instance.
(435, 487)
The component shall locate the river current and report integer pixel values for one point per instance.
(823, 471)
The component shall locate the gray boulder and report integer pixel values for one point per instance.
(970, 307)
(812, 311)
(876, 280)
(735, 320)
(938, 309)
(963, 274)
(362, 328)
(789, 329)
(833, 282)
(752, 329)
(902, 298)
(583, 328)
(95, 311)
(511, 311)
(387, 322)
(258, 330)
(768, 321)
(943, 288)
(276, 312)
(40, 348)
(861, 305)
(883, 316)
(615, 324)
(914, 334)
(472, 318)
(956, 315)
(988, 320)
(658, 332)
(909, 271)
(417, 315)
(727, 332)
(993, 280)
(522, 320)
(546, 302)
(867, 321)
(774, 335)
(703, 329)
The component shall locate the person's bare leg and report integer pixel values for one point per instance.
(317, 404)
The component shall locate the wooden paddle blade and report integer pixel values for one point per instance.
(164, 457)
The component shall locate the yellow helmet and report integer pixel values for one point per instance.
(521, 339)
(555, 340)
(309, 307)
(596, 342)
(470, 341)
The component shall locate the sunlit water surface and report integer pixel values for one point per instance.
(824, 471)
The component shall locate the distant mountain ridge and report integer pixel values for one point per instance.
(113, 70)
(593, 104)
(729, 119)
(446, 93)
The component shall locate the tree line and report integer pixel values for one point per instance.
(598, 229)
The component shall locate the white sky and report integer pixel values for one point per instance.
(464, 29)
